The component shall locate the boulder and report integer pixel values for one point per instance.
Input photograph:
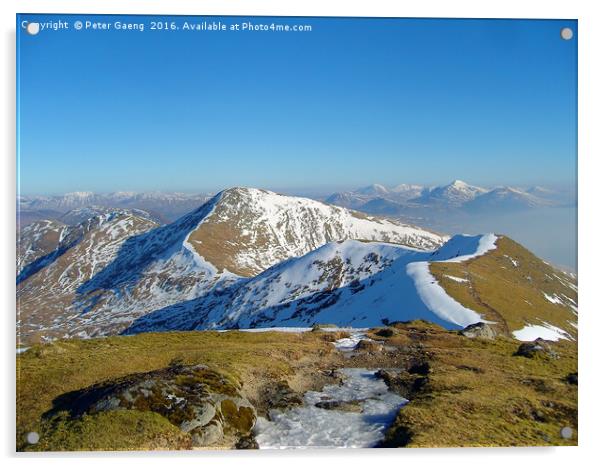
(386, 332)
(479, 330)
(281, 396)
(403, 383)
(369, 346)
(572, 378)
(204, 403)
(247, 442)
(537, 348)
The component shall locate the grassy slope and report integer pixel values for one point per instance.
(508, 294)
(46, 371)
(480, 394)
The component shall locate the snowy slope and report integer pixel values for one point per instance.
(350, 283)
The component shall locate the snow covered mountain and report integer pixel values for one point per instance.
(359, 284)
(505, 199)
(454, 194)
(360, 197)
(456, 197)
(121, 266)
(350, 283)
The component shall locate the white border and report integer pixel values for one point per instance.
(590, 152)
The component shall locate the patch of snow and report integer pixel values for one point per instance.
(22, 349)
(553, 299)
(464, 247)
(515, 263)
(436, 299)
(349, 344)
(457, 279)
(546, 331)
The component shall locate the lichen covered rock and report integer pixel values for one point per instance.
(202, 402)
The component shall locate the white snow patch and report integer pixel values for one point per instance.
(436, 299)
(464, 244)
(457, 279)
(349, 344)
(515, 263)
(545, 331)
(553, 299)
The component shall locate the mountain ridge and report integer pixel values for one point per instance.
(239, 232)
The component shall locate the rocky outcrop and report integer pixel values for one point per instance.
(281, 396)
(386, 332)
(206, 404)
(369, 346)
(537, 348)
(479, 330)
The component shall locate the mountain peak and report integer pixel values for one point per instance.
(261, 228)
(458, 184)
(373, 189)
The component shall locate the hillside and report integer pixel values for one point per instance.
(361, 284)
(516, 289)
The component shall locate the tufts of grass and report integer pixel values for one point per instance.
(110, 430)
(479, 394)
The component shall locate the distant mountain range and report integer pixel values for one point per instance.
(164, 207)
(409, 199)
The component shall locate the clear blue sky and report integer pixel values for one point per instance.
(353, 102)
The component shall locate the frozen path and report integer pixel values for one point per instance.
(308, 426)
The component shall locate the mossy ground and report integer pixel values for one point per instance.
(46, 371)
(480, 394)
(110, 430)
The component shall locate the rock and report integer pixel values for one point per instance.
(386, 332)
(332, 336)
(369, 346)
(419, 367)
(572, 378)
(319, 327)
(537, 348)
(208, 435)
(352, 406)
(281, 396)
(205, 403)
(402, 382)
(479, 330)
(247, 442)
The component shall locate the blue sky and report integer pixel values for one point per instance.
(353, 102)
